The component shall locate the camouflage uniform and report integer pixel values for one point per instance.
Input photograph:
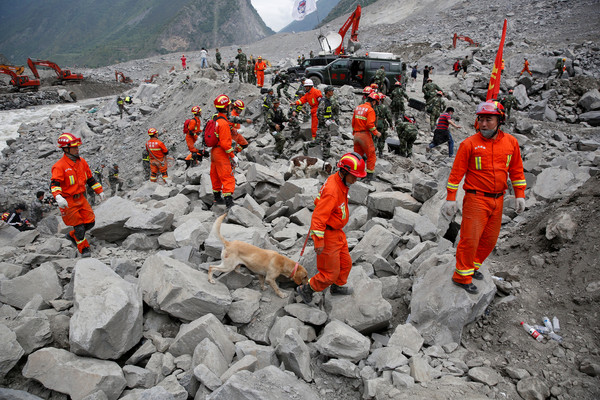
(284, 84)
(146, 164)
(242, 61)
(273, 117)
(559, 67)
(296, 122)
(384, 120)
(327, 113)
(266, 106)
(218, 57)
(407, 134)
(398, 96)
(231, 71)
(380, 79)
(509, 102)
(115, 182)
(251, 75)
(429, 90)
(437, 105)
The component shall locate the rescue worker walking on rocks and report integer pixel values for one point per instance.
(284, 83)
(465, 65)
(397, 97)
(312, 96)
(218, 57)
(525, 68)
(250, 69)
(158, 157)
(456, 68)
(560, 67)
(328, 115)
(222, 156)
(183, 62)
(231, 71)
(429, 91)
(441, 134)
(364, 128)
(330, 216)
(486, 160)
(70, 174)
(509, 102)
(384, 120)
(116, 183)
(435, 108)
(121, 105)
(274, 120)
(194, 128)
(242, 61)
(407, 131)
(37, 208)
(259, 70)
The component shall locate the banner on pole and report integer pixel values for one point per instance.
(302, 8)
(494, 86)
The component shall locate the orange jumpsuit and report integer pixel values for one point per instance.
(235, 135)
(194, 127)
(158, 162)
(221, 173)
(312, 97)
(363, 126)
(183, 62)
(526, 68)
(259, 70)
(486, 165)
(329, 217)
(69, 179)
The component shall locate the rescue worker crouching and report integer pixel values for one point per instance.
(70, 174)
(274, 120)
(222, 156)
(330, 216)
(158, 157)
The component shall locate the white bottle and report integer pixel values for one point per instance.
(556, 324)
(547, 323)
(529, 329)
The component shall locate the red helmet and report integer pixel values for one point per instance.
(68, 140)
(367, 90)
(398, 83)
(374, 96)
(152, 132)
(239, 104)
(491, 107)
(381, 96)
(354, 164)
(196, 110)
(222, 101)
(374, 86)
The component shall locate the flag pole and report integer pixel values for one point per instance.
(494, 85)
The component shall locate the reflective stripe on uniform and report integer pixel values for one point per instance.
(465, 272)
(477, 162)
(519, 183)
(319, 234)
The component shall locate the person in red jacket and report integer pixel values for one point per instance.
(330, 216)
(70, 174)
(486, 160)
(222, 157)
(312, 96)
(158, 156)
(183, 62)
(364, 128)
(259, 70)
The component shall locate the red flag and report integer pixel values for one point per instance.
(494, 86)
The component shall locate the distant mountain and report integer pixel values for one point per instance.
(312, 20)
(103, 32)
(344, 7)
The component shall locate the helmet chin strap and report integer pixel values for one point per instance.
(344, 174)
(71, 156)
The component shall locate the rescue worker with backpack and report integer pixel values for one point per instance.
(235, 121)
(191, 128)
(158, 156)
(217, 135)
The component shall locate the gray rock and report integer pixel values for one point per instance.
(561, 228)
(402, 381)
(256, 173)
(32, 329)
(247, 363)
(172, 385)
(191, 233)
(590, 100)
(123, 266)
(244, 217)
(591, 117)
(407, 338)
(137, 377)
(533, 388)
(387, 358)
(25, 238)
(420, 369)
(193, 333)
(520, 93)
(42, 280)
(208, 353)
(358, 193)
(140, 241)
(485, 375)
(342, 341)
(553, 182)
(281, 326)
(517, 373)
(265, 355)
(143, 352)
(590, 368)
(207, 377)
(10, 394)
(540, 111)
(111, 217)
(150, 221)
(295, 355)
(78, 377)
(10, 350)
(423, 190)
(292, 187)
(341, 367)
(377, 240)
(387, 201)
(425, 229)
(524, 126)
(305, 313)
(171, 286)
(244, 306)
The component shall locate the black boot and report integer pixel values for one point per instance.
(218, 198)
(306, 292)
(340, 290)
(228, 201)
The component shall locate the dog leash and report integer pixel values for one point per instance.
(301, 254)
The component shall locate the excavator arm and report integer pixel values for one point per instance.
(352, 21)
(465, 38)
(124, 79)
(61, 74)
(16, 69)
(21, 81)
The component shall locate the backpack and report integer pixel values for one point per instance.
(211, 139)
(186, 124)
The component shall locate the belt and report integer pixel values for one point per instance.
(493, 195)
(329, 228)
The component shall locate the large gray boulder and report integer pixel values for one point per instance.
(10, 350)
(32, 328)
(107, 319)
(387, 201)
(590, 100)
(256, 173)
(10, 394)
(440, 310)
(193, 333)
(111, 217)
(295, 355)
(591, 117)
(42, 281)
(173, 287)
(339, 340)
(76, 376)
(540, 111)
(520, 93)
(150, 221)
(553, 182)
(377, 240)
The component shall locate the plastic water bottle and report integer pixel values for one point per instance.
(541, 329)
(556, 337)
(556, 324)
(547, 323)
(531, 330)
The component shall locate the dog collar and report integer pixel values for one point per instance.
(294, 271)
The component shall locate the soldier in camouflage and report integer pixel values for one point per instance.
(116, 183)
(435, 108)
(274, 120)
(251, 75)
(218, 56)
(296, 111)
(509, 101)
(242, 61)
(380, 78)
(266, 106)
(284, 83)
(231, 71)
(407, 131)
(146, 164)
(429, 91)
(384, 121)
(328, 114)
(398, 96)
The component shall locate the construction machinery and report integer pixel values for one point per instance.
(465, 38)
(353, 43)
(63, 75)
(151, 79)
(16, 69)
(21, 81)
(122, 77)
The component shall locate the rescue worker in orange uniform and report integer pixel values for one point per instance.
(259, 70)
(222, 157)
(70, 174)
(158, 156)
(330, 216)
(364, 128)
(312, 96)
(486, 160)
(194, 128)
(235, 122)
(526, 68)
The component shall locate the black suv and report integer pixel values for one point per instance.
(355, 71)
(297, 71)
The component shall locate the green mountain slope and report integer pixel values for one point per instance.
(102, 32)
(345, 7)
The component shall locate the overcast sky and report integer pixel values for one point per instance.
(275, 13)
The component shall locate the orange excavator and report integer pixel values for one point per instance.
(16, 69)
(124, 79)
(151, 79)
(465, 38)
(63, 75)
(21, 81)
(353, 43)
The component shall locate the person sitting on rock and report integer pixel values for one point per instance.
(14, 218)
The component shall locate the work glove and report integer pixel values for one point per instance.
(328, 122)
(234, 161)
(62, 203)
(450, 207)
(102, 196)
(519, 205)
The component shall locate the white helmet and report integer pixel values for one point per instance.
(308, 82)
